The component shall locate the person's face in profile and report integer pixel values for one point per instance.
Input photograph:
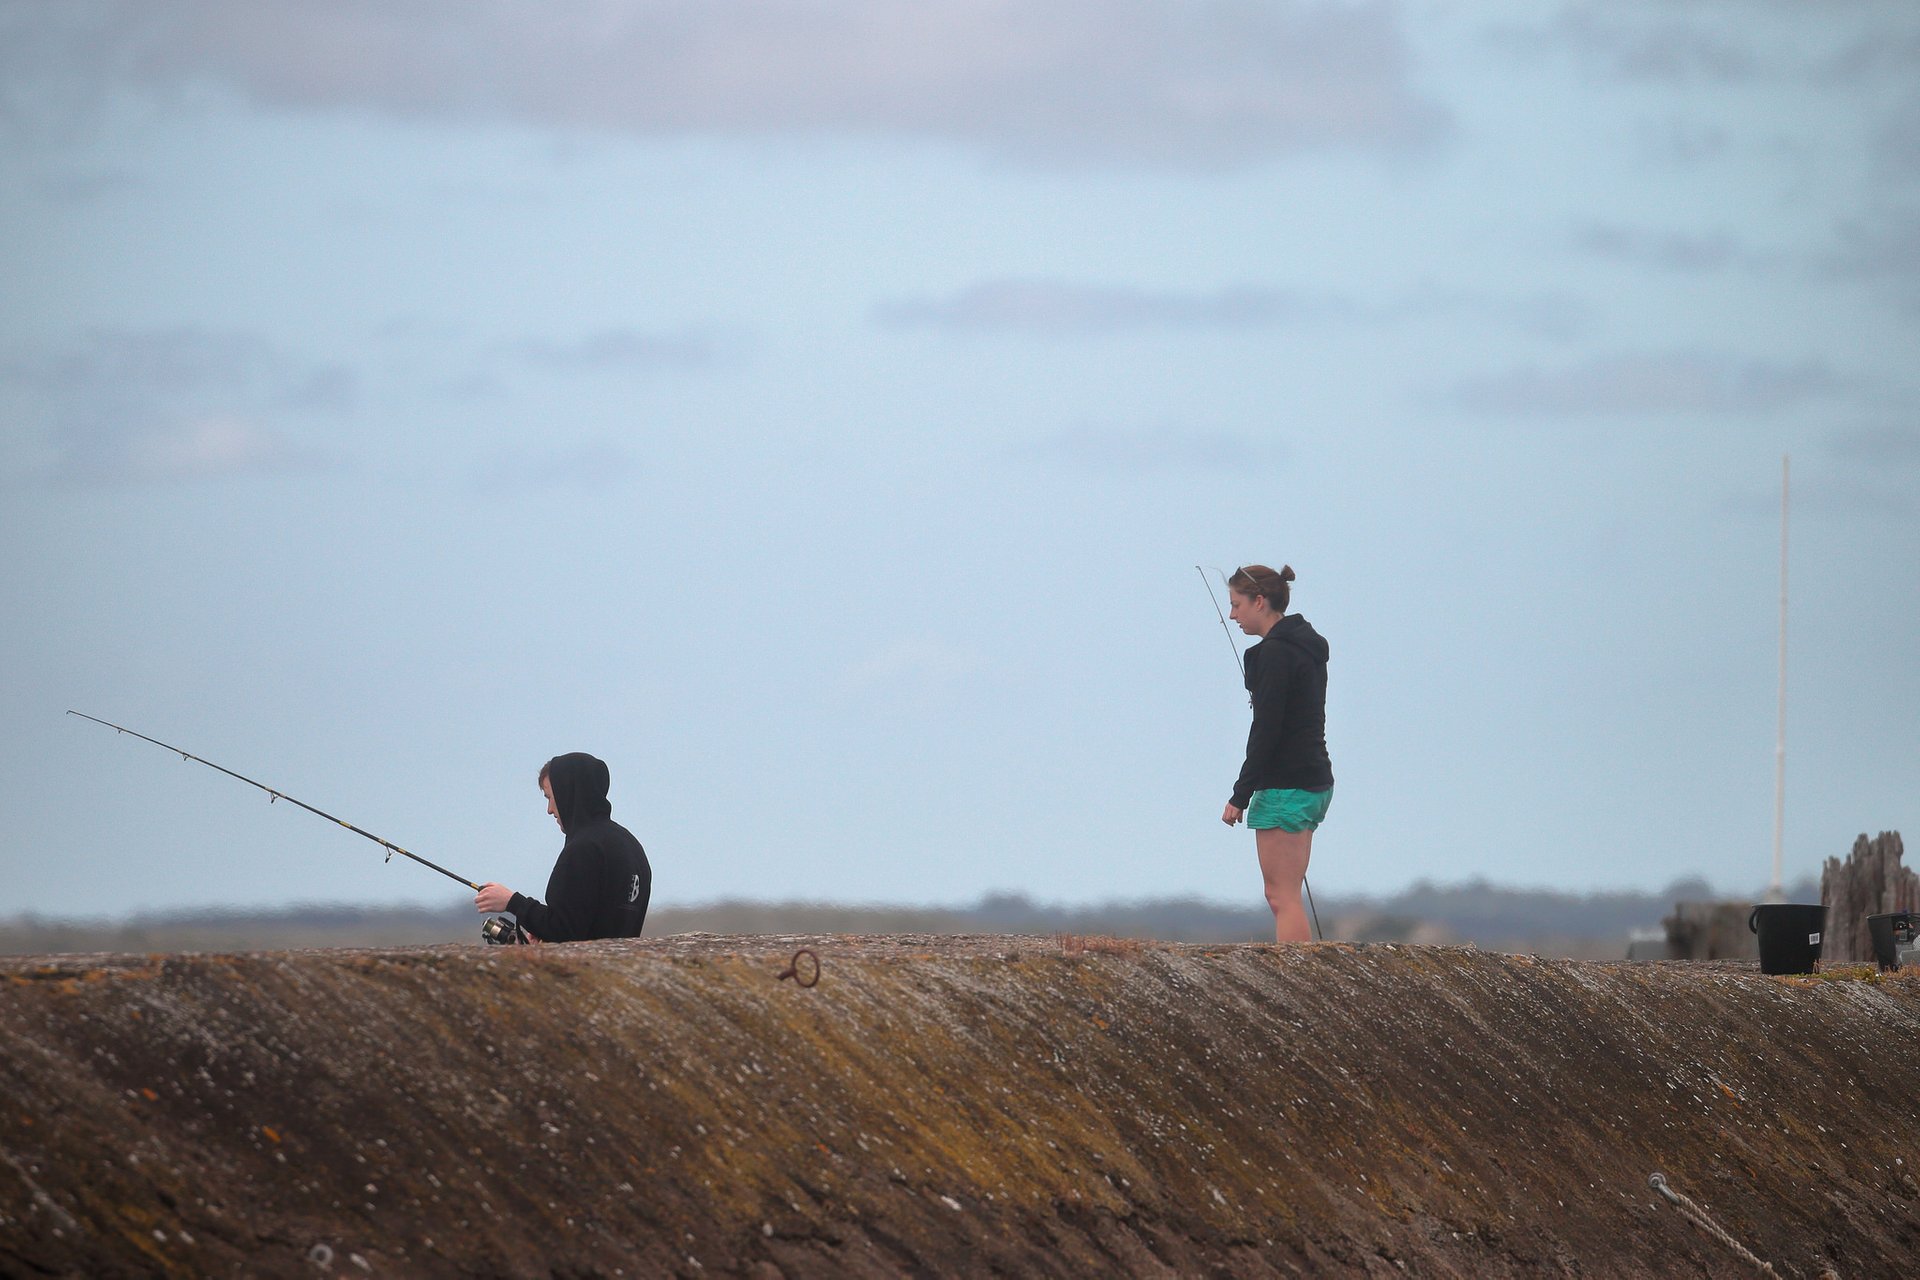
(1253, 613)
(546, 789)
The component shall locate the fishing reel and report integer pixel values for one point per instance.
(502, 932)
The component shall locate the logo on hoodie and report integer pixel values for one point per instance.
(633, 890)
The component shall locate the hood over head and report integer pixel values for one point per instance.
(579, 782)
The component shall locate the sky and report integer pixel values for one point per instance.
(818, 410)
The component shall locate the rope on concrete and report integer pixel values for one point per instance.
(1700, 1218)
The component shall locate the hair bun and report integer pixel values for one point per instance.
(1286, 573)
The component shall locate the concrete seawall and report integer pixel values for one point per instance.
(948, 1105)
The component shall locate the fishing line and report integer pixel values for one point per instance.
(273, 795)
(1238, 661)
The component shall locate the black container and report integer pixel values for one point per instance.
(1789, 935)
(1890, 933)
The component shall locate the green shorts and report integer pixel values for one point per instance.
(1288, 810)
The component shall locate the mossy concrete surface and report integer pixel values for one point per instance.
(948, 1106)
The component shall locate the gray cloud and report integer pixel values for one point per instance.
(1676, 251)
(613, 350)
(1826, 497)
(81, 187)
(1162, 447)
(1653, 382)
(590, 464)
(162, 362)
(1681, 143)
(1882, 448)
(1874, 248)
(1166, 82)
(183, 448)
(1551, 314)
(1888, 47)
(1880, 250)
(1646, 47)
(1836, 47)
(1672, 51)
(1064, 308)
(1896, 143)
(172, 404)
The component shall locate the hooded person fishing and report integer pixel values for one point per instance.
(1286, 781)
(601, 882)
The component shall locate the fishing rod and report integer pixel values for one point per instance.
(1226, 630)
(1241, 662)
(273, 795)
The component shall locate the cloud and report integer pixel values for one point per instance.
(1183, 83)
(1653, 382)
(89, 186)
(1680, 143)
(120, 405)
(179, 363)
(1676, 251)
(1877, 247)
(1626, 46)
(1549, 314)
(1887, 48)
(188, 450)
(1896, 142)
(167, 449)
(1161, 448)
(1833, 47)
(1064, 307)
(1883, 59)
(590, 464)
(1881, 250)
(613, 350)
(1825, 497)
(1882, 448)
(606, 352)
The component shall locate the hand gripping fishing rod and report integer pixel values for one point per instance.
(273, 795)
(1241, 662)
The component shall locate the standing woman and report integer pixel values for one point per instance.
(1287, 781)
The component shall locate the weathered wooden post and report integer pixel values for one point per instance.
(1870, 882)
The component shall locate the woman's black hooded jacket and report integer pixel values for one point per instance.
(602, 880)
(1287, 745)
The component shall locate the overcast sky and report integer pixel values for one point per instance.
(817, 411)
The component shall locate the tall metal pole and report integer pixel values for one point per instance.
(1775, 889)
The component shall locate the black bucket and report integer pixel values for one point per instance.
(1891, 934)
(1789, 935)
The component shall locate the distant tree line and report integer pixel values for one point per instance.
(1545, 921)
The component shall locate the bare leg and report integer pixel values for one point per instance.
(1283, 865)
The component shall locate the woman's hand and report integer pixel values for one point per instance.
(1232, 815)
(492, 898)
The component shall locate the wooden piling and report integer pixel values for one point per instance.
(1870, 882)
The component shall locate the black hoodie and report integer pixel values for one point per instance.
(601, 881)
(1287, 745)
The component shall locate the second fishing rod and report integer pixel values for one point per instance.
(1251, 596)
